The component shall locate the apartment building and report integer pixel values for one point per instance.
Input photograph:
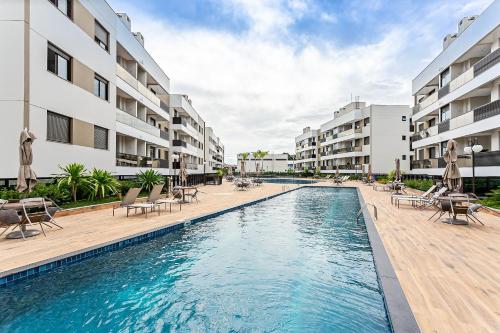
(457, 97)
(306, 150)
(81, 80)
(270, 163)
(214, 151)
(358, 136)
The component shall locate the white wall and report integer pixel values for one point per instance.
(386, 144)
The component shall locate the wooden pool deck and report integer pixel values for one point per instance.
(449, 274)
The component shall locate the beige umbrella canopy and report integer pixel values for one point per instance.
(26, 178)
(183, 171)
(398, 170)
(451, 177)
(369, 172)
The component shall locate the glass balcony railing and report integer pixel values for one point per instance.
(130, 160)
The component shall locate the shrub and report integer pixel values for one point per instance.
(102, 183)
(492, 199)
(382, 179)
(73, 176)
(147, 179)
(9, 194)
(126, 185)
(391, 176)
(418, 184)
(59, 194)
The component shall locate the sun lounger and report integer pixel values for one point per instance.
(44, 217)
(397, 197)
(129, 202)
(10, 219)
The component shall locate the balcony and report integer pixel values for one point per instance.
(444, 91)
(134, 83)
(484, 159)
(487, 62)
(179, 121)
(347, 150)
(130, 160)
(486, 111)
(139, 124)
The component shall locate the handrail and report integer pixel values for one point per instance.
(365, 205)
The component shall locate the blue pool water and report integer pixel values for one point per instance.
(295, 263)
(288, 181)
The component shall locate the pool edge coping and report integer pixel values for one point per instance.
(401, 317)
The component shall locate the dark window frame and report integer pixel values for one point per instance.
(403, 137)
(101, 81)
(403, 118)
(103, 44)
(51, 48)
(50, 137)
(69, 4)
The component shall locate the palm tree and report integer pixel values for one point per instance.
(244, 157)
(256, 156)
(74, 176)
(102, 182)
(259, 154)
(263, 153)
(147, 179)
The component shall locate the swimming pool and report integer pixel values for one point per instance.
(288, 181)
(294, 263)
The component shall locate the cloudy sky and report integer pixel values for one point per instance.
(259, 71)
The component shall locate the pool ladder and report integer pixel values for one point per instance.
(365, 206)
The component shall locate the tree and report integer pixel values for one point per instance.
(259, 155)
(244, 157)
(147, 179)
(74, 176)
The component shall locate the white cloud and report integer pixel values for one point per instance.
(326, 17)
(258, 91)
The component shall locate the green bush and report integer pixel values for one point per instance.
(126, 185)
(60, 195)
(418, 184)
(492, 199)
(147, 179)
(382, 179)
(102, 183)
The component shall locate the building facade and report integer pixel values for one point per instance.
(270, 163)
(81, 80)
(214, 151)
(306, 150)
(356, 137)
(457, 97)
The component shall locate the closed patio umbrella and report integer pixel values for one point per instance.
(26, 178)
(370, 172)
(451, 176)
(183, 171)
(337, 171)
(398, 170)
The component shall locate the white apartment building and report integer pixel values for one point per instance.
(214, 151)
(82, 81)
(457, 97)
(306, 150)
(357, 136)
(270, 163)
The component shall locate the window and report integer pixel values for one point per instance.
(443, 147)
(445, 77)
(63, 5)
(58, 62)
(432, 122)
(100, 137)
(366, 121)
(101, 36)
(445, 113)
(367, 159)
(100, 87)
(366, 140)
(403, 137)
(403, 118)
(58, 127)
(403, 157)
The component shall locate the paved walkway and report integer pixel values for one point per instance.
(450, 274)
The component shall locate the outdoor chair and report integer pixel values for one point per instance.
(395, 198)
(193, 195)
(129, 202)
(44, 217)
(10, 219)
(425, 203)
(444, 207)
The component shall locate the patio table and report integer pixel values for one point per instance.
(183, 189)
(456, 201)
(19, 207)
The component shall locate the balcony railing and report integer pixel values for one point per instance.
(163, 135)
(486, 111)
(347, 150)
(484, 159)
(487, 62)
(416, 109)
(134, 83)
(444, 126)
(179, 121)
(132, 121)
(130, 160)
(444, 91)
(179, 143)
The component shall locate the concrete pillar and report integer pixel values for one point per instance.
(495, 141)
